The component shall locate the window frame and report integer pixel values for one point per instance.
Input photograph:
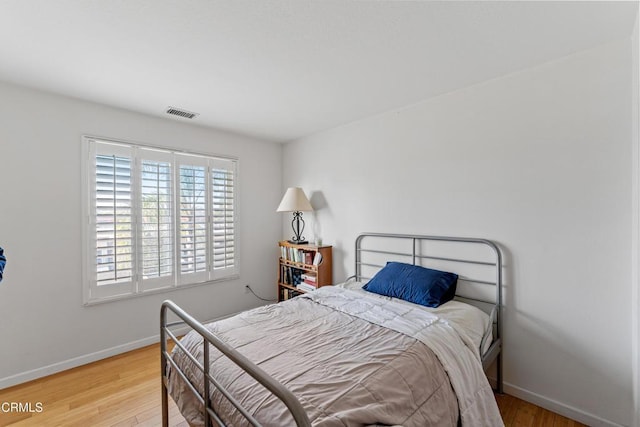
(137, 153)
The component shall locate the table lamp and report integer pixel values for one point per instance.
(295, 201)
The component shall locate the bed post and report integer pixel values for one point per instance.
(498, 253)
(207, 386)
(163, 366)
(499, 314)
(413, 256)
(358, 255)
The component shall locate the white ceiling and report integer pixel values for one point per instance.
(282, 69)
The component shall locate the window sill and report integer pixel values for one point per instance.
(98, 301)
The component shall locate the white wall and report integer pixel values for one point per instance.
(635, 195)
(42, 319)
(538, 161)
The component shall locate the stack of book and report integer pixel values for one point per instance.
(308, 283)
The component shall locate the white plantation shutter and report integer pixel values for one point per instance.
(157, 219)
(223, 217)
(114, 232)
(156, 232)
(112, 226)
(193, 212)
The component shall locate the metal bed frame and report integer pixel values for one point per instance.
(494, 352)
(281, 392)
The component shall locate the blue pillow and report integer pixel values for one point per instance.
(413, 283)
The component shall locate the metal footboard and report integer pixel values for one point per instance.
(210, 415)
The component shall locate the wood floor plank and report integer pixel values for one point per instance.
(544, 419)
(508, 408)
(526, 414)
(124, 391)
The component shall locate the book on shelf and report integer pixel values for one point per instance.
(289, 293)
(290, 275)
(309, 280)
(306, 287)
(317, 259)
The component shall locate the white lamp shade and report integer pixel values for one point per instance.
(294, 200)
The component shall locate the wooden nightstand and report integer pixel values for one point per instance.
(303, 268)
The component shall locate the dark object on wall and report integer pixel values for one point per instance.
(3, 262)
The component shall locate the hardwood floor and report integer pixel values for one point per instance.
(124, 391)
(119, 391)
(517, 412)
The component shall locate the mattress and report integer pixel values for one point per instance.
(351, 359)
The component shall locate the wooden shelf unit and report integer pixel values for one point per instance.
(297, 260)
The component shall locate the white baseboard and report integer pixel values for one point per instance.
(75, 362)
(557, 407)
(44, 371)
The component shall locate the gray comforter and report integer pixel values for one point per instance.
(346, 371)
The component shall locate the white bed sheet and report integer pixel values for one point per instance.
(464, 318)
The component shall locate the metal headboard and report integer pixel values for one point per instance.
(415, 253)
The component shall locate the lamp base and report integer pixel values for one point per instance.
(298, 242)
(298, 226)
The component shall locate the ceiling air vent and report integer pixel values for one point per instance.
(181, 113)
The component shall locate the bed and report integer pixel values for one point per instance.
(343, 356)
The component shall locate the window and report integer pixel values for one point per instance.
(157, 219)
